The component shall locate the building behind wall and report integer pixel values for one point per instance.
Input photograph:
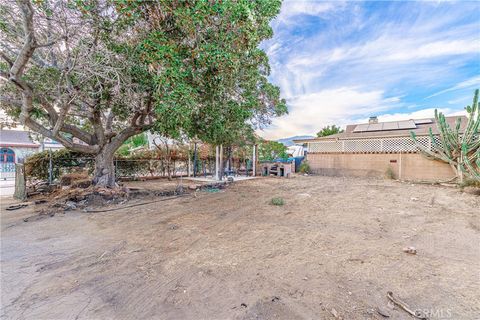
(375, 148)
(15, 147)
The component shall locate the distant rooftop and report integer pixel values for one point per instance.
(402, 128)
(16, 138)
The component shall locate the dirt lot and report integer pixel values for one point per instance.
(333, 250)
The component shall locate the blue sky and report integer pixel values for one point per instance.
(341, 62)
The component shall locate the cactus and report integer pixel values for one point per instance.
(459, 149)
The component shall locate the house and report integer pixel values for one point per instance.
(15, 146)
(50, 144)
(375, 148)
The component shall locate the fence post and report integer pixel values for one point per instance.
(195, 160)
(20, 182)
(50, 167)
(116, 166)
(254, 161)
(220, 163)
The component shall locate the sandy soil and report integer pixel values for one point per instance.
(333, 250)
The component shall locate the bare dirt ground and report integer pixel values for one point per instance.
(333, 250)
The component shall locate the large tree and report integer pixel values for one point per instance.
(90, 74)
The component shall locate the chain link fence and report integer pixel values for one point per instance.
(125, 169)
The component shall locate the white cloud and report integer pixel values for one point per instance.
(419, 114)
(475, 81)
(293, 8)
(352, 61)
(435, 49)
(340, 106)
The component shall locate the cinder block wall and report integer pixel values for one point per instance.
(408, 166)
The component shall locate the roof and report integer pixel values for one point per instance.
(403, 128)
(16, 138)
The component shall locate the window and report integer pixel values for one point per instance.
(7, 155)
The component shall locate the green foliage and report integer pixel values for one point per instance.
(210, 77)
(140, 140)
(460, 150)
(36, 166)
(329, 130)
(270, 150)
(181, 68)
(277, 201)
(304, 167)
(389, 174)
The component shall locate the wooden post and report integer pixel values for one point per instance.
(20, 182)
(254, 160)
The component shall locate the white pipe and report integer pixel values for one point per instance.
(400, 167)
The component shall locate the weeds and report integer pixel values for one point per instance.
(304, 167)
(277, 201)
(389, 174)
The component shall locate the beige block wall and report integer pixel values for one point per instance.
(408, 166)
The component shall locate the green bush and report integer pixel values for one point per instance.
(389, 173)
(143, 163)
(36, 166)
(304, 167)
(277, 201)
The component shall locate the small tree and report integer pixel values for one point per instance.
(270, 150)
(329, 130)
(459, 149)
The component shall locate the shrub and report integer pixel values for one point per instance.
(389, 174)
(304, 167)
(36, 166)
(277, 201)
(470, 183)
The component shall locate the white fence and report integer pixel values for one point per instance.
(370, 145)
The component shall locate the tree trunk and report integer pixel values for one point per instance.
(104, 168)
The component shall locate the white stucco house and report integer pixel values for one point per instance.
(15, 146)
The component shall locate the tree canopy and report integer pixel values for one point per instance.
(329, 130)
(271, 150)
(91, 74)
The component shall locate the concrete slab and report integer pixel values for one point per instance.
(7, 188)
(211, 179)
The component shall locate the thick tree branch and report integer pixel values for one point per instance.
(29, 44)
(35, 126)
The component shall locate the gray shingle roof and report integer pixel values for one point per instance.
(16, 138)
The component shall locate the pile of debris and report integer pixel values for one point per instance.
(76, 192)
(40, 187)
